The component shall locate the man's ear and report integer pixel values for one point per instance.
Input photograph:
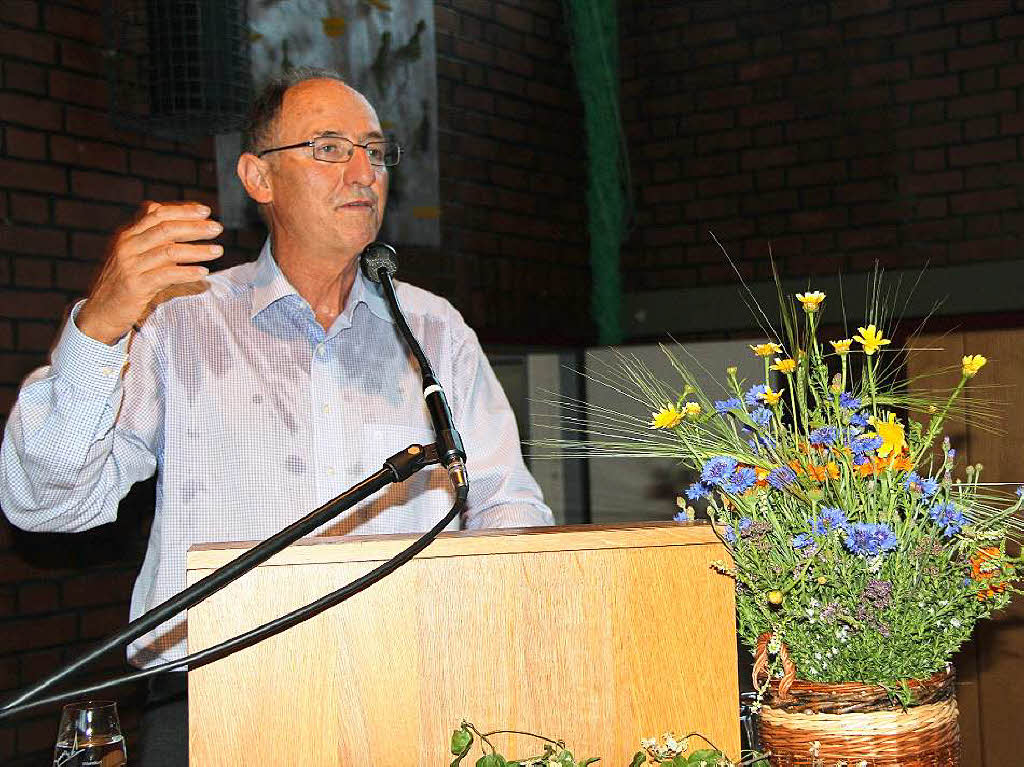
(255, 177)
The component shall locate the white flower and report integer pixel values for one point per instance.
(955, 623)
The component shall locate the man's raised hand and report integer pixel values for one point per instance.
(160, 249)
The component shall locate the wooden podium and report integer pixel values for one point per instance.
(598, 635)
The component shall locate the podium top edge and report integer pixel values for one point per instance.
(518, 540)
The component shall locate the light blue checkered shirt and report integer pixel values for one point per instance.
(253, 416)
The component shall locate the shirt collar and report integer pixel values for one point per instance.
(270, 285)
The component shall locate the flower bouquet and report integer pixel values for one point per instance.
(862, 554)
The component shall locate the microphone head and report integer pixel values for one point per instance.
(376, 256)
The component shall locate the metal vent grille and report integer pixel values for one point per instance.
(178, 68)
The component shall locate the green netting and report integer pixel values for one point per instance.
(593, 27)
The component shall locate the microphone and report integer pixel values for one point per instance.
(379, 263)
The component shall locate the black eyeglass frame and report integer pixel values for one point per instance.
(365, 147)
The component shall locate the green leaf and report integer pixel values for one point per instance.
(491, 760)
(591, 760)
(638, 759)
(709, 756)
(461, 741)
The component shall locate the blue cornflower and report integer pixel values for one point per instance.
(741, 480)
(948, 517)
(725, 405)
(829, 518)
(951, 454)
(781, 476)
(718, 470)
(869, 540)
(761, 416)
(729, 534)
(863, 445)
(859, 421)
(826, 436)
(802, 541)
(926, 486)
(1020, 491)
(848, 401)
(754, 445)
(745, 524)
(681, 516)
(698, 490)
(753, 395)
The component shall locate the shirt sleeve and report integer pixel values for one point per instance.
(502, 493)
(74, 443)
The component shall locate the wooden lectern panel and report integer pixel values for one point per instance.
(597, 635)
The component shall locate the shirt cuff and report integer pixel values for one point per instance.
(86, 363)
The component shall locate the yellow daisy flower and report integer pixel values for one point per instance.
(894, 441)
(871, 339)
(972, 364)
(666, 418)
(766, 350)
(784, 366)
(772, 397)
(691, 409)
(842, 347)
(811, 300)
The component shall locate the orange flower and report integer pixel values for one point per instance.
(797, 467)
(762, 476)
(981, 570)
(872, 467)
(823, 473)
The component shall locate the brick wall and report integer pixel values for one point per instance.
(843, 133)
(513, 258)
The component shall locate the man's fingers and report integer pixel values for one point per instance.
(167, 232)
(177, 253)
(155, 212)
(158, 279)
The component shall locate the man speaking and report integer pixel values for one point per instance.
(259, 392)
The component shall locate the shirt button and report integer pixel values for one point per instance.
(108, 371)
(320, 350)
(326, 409)
(330, 471)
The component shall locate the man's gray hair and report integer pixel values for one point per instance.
(267, 106)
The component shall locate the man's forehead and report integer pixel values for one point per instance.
(317, 107)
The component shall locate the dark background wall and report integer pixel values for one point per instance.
(513, 258)
(841, 132)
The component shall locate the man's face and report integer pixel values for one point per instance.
(332, 206)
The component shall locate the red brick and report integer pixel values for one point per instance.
(89, 216)
(819, 219)
(36, 337)
(86, 246)
(929, 159)
(84, 58)
(30, 633)
(22, 109)
(1011, 26)
(33, 272)
(27, 45)
(980, 32)
(931, 183)
(777, 66)
(29, 208)
(37, 598)
(88, 185)
(875, 26)
(22, 13)
(930, 64)
(697, 34)
(22, 76)
(932, 207)
(36, 735)
(925, 89)
(43, 305)
(772, 112)
(102, 621)
(984, 200)
(513, 17)
(981, 128)
(79, 89)
(984, 104)
(25, 144)
(474, 51)
(33, 240)
(93, 154)
(6, 342)
(68, 22)
(164, 167)
(96, 124)
(879, 72)
(943, 38)
(975, 10)
(980, 56)
(989, 151)
(769, 157)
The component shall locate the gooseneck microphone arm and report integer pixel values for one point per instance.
(379, 263)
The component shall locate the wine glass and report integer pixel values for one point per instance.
(90, 736)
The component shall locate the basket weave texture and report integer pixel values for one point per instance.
(809, 724)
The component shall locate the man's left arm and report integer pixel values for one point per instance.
(502, 493)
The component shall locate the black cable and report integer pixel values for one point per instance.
(267, 630)
(215, 581)
(426, 372)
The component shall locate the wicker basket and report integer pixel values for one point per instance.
(807, 724)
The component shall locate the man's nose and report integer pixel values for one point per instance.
(358, 169)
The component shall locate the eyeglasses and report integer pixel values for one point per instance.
(338, 149)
